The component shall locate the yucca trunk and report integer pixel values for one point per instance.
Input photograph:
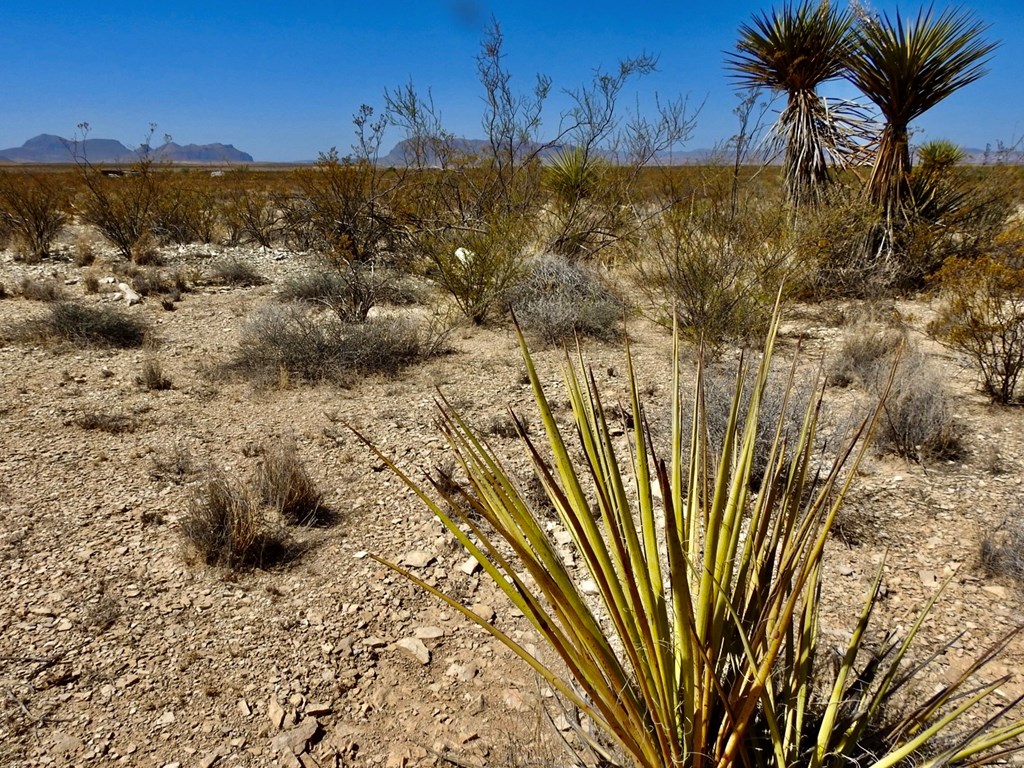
(889, 186)
(806, 159)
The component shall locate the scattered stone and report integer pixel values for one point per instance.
(428, 633)
(275, 713)
(62, 743)
(244, 708)
(131, 297)
(296, 740)
(318, 709)
(415, 646)
(588, 587)
(470, 566)
(483, 610)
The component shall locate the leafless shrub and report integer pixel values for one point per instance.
(235, 272)
(41, 290)
(84, 326)
(560, 299)
(317, 347)
(284, 484)
(1002, 551)
(35, 209)
(176, 465)
(917, 420)
(866, 355)
(227, 527)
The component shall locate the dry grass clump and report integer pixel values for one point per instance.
(176, 465)
(559, 300)
(84, 326)
(111, 423)
(41, 290)
(319, 347)
(153, 376)
(284, 484)
(227, 527)
(1002, 551)
(866, 356)
(235, 272)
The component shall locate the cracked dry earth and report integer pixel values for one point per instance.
(118, 647)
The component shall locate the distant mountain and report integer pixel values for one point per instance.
(47, 148)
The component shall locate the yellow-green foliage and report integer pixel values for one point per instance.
(982, 315)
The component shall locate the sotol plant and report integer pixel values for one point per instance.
(702, 647)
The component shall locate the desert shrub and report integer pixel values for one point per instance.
(717, 272)
(86, 326)
(175, 465)
(35, 207)
(250, 214)
(866, 354)
(350, 290)
(319, 347)
(91, 282)
(918, 420)
(982, 315)
(111, 423)
(285, 485)
(41, 290)
(227, 527)
(185, 213)
(153, 376)
(233, 271)
(1002, 550)
(123, 209)
(559, 300)
(83, 253)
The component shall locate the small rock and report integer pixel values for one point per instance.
(275, 712)
(297, 739)
(845, 570)
(483, 610)
(415, 646)
(318, 709)
(167, 718)
(244, 708)
(470, 566)
(428, 633)
(417, 559)
(588, 587)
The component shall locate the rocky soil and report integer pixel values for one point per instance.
(119, 647)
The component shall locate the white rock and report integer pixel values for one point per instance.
(415, 646)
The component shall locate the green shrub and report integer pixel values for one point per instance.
(227, 527)
(982, 315)
(559, 300)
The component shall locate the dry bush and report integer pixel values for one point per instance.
(348, 289)
(235, 272)
(41, 290)
(285, 485)
(123, 210)
(84, 326)
(319, 347)
(559, 300)
(227, 527)
(91, 282)
(185, 213)
(918, 420)
(866, 355)
(1002, 551)
(982, 314)
(34, 207)
(153, 377)
(111, 423)
(250, 214)
(84, 251)
(176, 465)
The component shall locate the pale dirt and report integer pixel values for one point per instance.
(117, 647)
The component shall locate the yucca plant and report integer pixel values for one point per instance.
(793, 51)
(906, 68)
(702, 647)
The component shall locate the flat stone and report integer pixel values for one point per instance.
(296, 740)
(417, 559)
(428, 633)
(483, 610)
(318, 709)
(415, 646)
(470, 566)
(275, 712)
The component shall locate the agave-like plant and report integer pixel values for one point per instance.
(702, 646)
(906, 67)
(793, 51)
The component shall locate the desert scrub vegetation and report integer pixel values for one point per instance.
(295, 341)
(235, 272)
(1002, 550)
(34, 207)
(559, 300)
(981, 314)
(285, 485)
(703, 646)
(349, 289)
(41, 289)
(81, 325)
(227, 527)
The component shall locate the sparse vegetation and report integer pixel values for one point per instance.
(228, 528)
(235, 272)
(153, 376)
(41, 290)
(84, 326)
(35, 210)
(1002, 551)
(285, 485)
(111, 423)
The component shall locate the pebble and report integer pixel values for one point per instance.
(414, 646)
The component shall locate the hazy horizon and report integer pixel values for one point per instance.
(283, 85)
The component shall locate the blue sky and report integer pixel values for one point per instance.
(283, 82)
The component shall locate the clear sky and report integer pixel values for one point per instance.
(281, 81)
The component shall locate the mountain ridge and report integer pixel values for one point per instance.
(50, 148)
